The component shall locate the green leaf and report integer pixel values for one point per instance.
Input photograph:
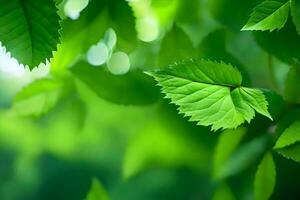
(29, 29)
(265, 178)
(43, 94)
(288, 144)
(269, 15)
(210, 93)
(97, 192)
(295, 10)
(133, 88)
(227, 143)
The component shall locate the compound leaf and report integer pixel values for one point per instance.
(269, 15)
(29, 29)
(210, 93)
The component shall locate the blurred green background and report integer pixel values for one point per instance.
(78, 122)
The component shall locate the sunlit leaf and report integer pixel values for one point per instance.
(269, 15)
(29, 30)
(210, 93)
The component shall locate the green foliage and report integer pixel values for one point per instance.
(203, 88)
(269, 15)
(223, 192)
(97, 113)
(243, 157)
(97, 192)
(264, 183)
(173, 149)
(288, 143)
(29, 30)
(134, 88)
(184, 47)
(90, 28)
(43, 93)
(295, 10)
(291, 90)
(228, 141)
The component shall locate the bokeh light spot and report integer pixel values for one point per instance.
(119, 63)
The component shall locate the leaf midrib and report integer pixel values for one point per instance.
(231, 86)
(26, 16)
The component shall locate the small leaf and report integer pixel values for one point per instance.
(97, 192)
(43, 94)
(295, 10)
(227, 143)
(264, 182)
(288, 144)
(269, 15)
(210, 93)
(29, 29)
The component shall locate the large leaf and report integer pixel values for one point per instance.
(269, 15)
(133, 88)
(288, 144)
(210, 93)
(264, 182)
(29, 29)
(295, 10)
